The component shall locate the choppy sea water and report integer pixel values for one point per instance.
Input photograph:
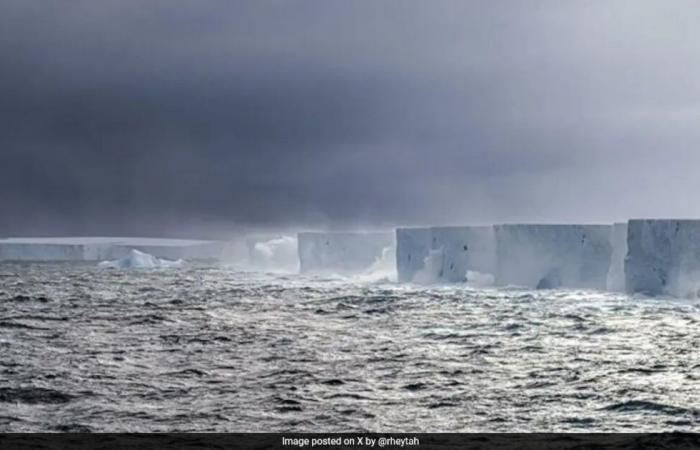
(211, 349)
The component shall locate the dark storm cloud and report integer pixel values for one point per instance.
(125, 116)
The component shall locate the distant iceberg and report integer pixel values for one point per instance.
(140, 260)
(106, 248)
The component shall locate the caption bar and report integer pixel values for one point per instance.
(351, 441)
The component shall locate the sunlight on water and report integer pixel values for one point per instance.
(208, 349)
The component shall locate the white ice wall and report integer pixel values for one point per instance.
(104, 248)
(444, 254)
(97, 251)
(341, 252)
(552, 256)
(663, 257)
(616, 274)
(12, 251)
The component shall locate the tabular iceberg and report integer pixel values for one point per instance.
(553, 256)
(101, 248)
(444, 254)
(24, 251)
(663, 257)
(341, 252)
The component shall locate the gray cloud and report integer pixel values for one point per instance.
(130, 117)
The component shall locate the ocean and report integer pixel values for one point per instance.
(213, 349)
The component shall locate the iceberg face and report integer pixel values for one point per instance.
(21, 251)
(663, 257)
(341, 253)
(413, 246)
(98, 251)
(616, 274)
(101, 248)
(553, 256)
(465, 249)
(139, 260)
(444, 254)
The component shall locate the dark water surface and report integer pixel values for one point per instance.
(209, 349)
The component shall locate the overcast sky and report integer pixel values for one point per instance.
(152, 117)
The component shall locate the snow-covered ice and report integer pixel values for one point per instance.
(341, 252)
(139, 260)
(553, 256)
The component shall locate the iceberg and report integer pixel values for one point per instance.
(344, 253)
(444, 254)
(26, 251)
(101, 248)
(465, 249)
(663, 257)
(139, 260)
(553, 256)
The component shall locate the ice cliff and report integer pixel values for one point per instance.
(553, 256)
(443, 254)
(101, 248)
(663, 257)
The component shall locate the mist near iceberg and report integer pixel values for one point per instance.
(276, 254)
(382, 270)
(431, 272)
